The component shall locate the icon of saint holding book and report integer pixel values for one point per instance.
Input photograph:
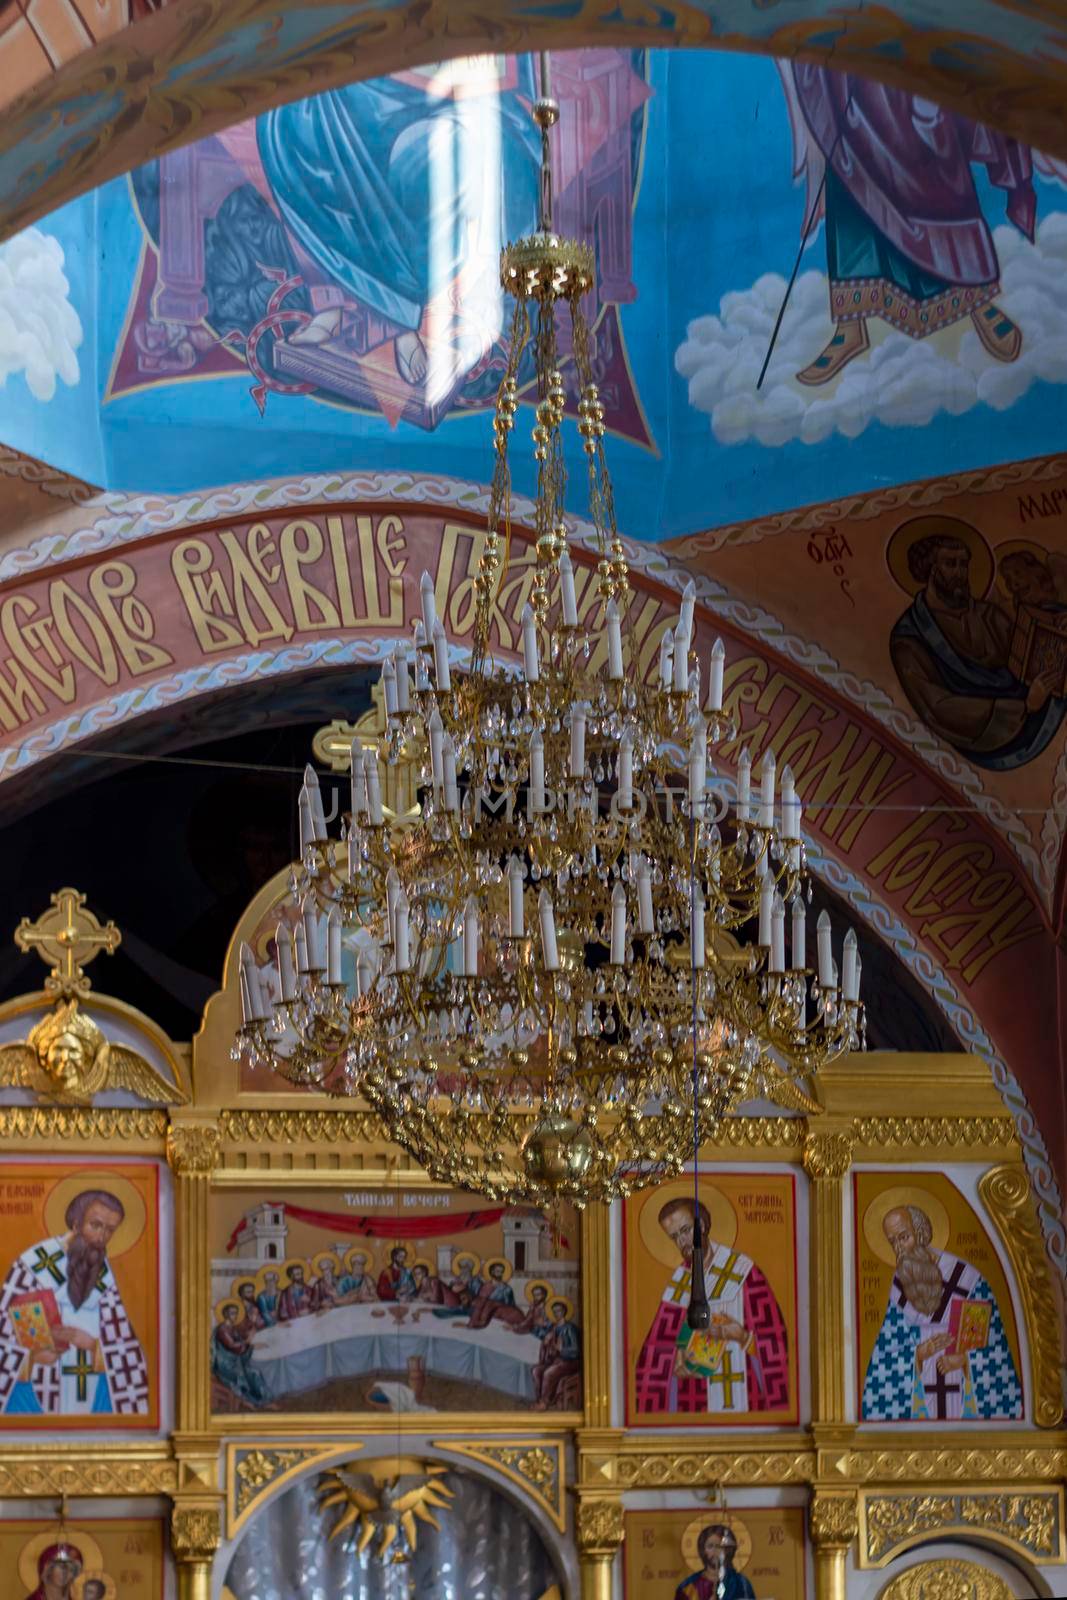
(941, 1353)
(740, 1363)
(67, 1347)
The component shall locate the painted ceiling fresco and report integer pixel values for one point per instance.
(322, 280)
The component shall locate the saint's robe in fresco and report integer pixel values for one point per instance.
(907, 239)
(901, 1388)
(386, 185)
(231, 1361)
(952, 663)
(676, 1375)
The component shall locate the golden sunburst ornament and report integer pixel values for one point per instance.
(388, 1512)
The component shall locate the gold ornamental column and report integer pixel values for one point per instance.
(193, 1149)
(600, 1533)
(834, 1522)
(827, 1159)
(195, 1535)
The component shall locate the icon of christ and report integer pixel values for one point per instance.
(741, 1362)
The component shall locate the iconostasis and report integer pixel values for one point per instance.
(247, 1351)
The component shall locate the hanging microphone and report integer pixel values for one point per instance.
(699, 1313)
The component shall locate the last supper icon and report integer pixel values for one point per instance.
(409, 1302)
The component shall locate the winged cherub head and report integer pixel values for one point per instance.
(67, 1043)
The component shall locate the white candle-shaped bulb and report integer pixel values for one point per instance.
(374, 790)
(300, 944)
(718, 663)
(614, 631)
(618, 926)
(568, 601)
(333, 947)
(516, 918)
(318, 816)
(537, 771)
(253, 1004)
(766, 809)
(441, 668)
(436, 729)
(401, 938)
(403, 680)
(824, 940)
(578, 714)
(547, 918)
(392, 895)
(283, 942)
(626, 771)
(645, 914)
(247, 1013)
(698, 765)
(449, 781)
(307, 821)
(685, 614)
(800, 933)
(358, 802)
(744, 786)
(531, 663)
(389, 686)
(777, 960)
(666, 656)
(470, 938)
(364, 973)
(766, 911)
(696, 928)
(849, 959)
(789, 803)
(429, 606)
(680, 664)
(315, 955)
(422, 677)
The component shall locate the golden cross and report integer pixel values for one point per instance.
(65, 937)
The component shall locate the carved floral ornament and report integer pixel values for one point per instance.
(946, 1580)
(600, 1525)
(1031, 1523)
(834, 1520)
(195, 1532)
(194, 1148)
(828, 1155)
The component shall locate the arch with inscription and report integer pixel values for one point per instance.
(91, 103)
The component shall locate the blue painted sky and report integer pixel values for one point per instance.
(718, 211)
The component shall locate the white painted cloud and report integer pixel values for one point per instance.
(901, 382)
(39, 328)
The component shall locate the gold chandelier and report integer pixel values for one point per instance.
(544, 981)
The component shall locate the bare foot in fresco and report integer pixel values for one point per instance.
(998, 333)
(849, 341)
(411, 360)
(327, 325)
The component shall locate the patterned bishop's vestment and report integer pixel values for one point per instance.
(111, 1378)
(753, 1378)
(899, 1389)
